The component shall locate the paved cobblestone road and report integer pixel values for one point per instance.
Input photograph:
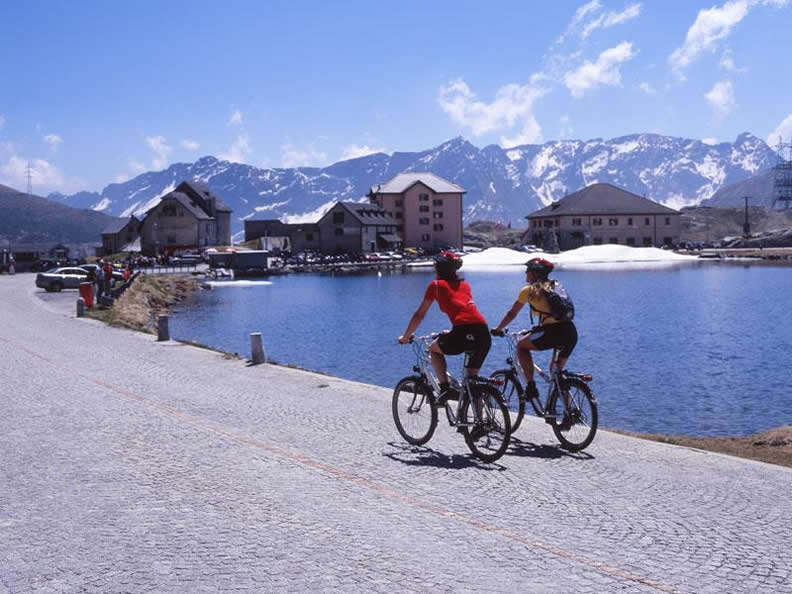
(128, 465)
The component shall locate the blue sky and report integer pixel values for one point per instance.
(95, 92)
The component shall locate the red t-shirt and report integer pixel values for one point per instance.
(456, 301)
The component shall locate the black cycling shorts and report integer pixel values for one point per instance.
(562, 336)
(468, 338)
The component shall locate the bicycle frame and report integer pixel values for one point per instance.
(421, 347)
(550, 376)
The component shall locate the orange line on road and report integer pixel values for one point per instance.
(310, 463)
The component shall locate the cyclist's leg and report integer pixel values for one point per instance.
(568, 337)
(524, 348)
(477, 342)
(438, 362)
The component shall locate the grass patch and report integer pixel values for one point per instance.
(773, 446)
(149, 296)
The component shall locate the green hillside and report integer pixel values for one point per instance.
(32, 219)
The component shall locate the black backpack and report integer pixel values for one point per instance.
(561, 306)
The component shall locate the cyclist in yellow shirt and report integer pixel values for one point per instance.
(550, 333)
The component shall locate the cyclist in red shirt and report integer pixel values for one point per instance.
(469, 333)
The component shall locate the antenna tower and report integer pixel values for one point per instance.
(782, 178)
(29, 176)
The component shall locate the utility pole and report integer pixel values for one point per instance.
(746, 224)
(29, 176)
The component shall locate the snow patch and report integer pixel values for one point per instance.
(128, 212)
(272, 206)
(309, 217)
(101, 205)
(591, 254)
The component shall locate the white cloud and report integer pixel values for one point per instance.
(721, 99)
(647, 88)
(710, 140)
(53, 140)
(44, 175)
(513, 105)
(190, 145)
(711, 25)
(292, 156)
(353, 151)
(580, 15)
(235, 119)
(609, 20)
(605, 71)
(238, 151)
(161, 149)
(783, 130)
(136, 166)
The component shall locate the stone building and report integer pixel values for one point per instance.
(426, 209)
(600, 214)
(288, 237)
(190, 217)
(357, 227)
(120, 235)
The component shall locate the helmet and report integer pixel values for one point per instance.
(446, 264)
(539, 266)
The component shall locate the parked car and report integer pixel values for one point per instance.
(58, 279)
(118, 274)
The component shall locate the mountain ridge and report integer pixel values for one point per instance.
(502, 184)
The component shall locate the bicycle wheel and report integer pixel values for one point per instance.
(512, 395)
(489, 439)
(413, 413)
(581, 426)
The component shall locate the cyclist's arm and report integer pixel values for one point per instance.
(510, 315)
(416, 320)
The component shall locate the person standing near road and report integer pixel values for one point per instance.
(99, 279)
(108, 274)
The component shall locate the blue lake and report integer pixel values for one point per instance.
(693, 349)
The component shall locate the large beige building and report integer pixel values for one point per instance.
(602, 213)
(426, 208)
(191, 217)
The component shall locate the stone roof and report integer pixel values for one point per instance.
(203, 192)
(188, 203)
(368, 214)
(602, 199)
(403, 181)
(118, 226)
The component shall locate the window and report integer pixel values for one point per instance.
(647, 242)
(596, 221)
(169, 209)
(613, 240)
(426, 237)
(338, 217)
(309, 237)
(171, 239)
(423, 197)
(598, 241)
(629, 222)
(547, 223)
(438, 227)
(646, 221)
(424, 208)
(339, 231)
(667, 240)
(577, 222)
(400, 228)
(399, 215)
(437, 215)
(668, 220)
(558, 222)
(631, 241)
(423, 221)
(437, 202)
(613, 222)
(399, 202)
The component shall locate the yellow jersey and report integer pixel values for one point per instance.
(535, 295)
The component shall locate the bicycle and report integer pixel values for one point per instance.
(486, 426)
(569, 407)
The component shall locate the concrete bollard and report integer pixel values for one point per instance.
(163, 333)
(257, 348)
(80, 307)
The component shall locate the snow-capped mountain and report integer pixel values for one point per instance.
(502, 184)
